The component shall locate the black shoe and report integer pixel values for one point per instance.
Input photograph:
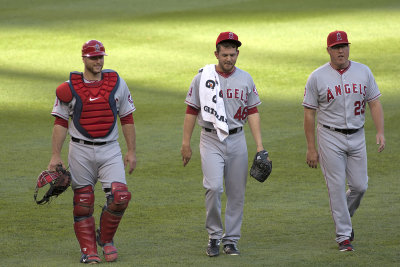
(213, 247)
(231, 249)
(352, 235)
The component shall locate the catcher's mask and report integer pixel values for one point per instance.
(56, 182)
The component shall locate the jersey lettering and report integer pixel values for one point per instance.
(237, 94)
(338, 90)
(347, 88)
(353, 89)
(329, 95)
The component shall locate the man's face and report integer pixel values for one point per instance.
(227, 57)
(94, 64)
(339, 55)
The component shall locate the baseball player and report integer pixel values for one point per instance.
(93, 100)
(223, 97)
(338, 92)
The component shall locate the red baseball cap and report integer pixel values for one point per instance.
(337, 37)
(225, 36)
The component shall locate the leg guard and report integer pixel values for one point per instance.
(111, 215)
(84, 224)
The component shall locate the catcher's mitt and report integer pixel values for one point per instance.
(262, 167)
(58, 180)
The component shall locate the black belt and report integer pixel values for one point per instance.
(233, 131)
(76, 140)
(343, 131)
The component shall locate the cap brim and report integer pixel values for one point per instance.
(336, 43)
(238, 43)
(95, 54)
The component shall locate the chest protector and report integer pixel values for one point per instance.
(95, 112)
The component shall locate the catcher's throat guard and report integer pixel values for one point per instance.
(58, 181)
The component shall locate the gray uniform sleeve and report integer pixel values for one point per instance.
(310, 99)
(372, 92)
(254, 98)
(61, 109)
(125, 102)
(193, 97)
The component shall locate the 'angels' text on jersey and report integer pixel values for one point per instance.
(346, 89)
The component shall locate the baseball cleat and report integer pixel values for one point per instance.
(90, 259)
(213, 247)
(109, 251)
(231, 249)
(345, 246)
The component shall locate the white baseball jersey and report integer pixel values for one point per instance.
(239, 95)
(341, 98)
(124, 104)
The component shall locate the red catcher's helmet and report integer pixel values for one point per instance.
(93, 48)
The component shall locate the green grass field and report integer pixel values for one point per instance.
(157, 47)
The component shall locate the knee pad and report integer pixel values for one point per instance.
(83, 202)
(118, 201)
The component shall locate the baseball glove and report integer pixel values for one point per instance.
(58, 180)
(262, 167)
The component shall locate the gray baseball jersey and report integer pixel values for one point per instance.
(226, 160)
(90, 163)
(340, 99)
(239, 94)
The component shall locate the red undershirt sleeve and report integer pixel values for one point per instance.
(128, 119)
(192, 110)
(61, 121)
(252, 111)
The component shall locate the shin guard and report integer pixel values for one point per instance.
(84, 224)
(85, 233)
(110, 218)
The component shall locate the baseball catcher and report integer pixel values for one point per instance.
(58, 180)
(262, 166)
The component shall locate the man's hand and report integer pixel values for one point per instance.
(54, 161)
(380, 140)
(186, 152)
(130, 160)
(312, 158)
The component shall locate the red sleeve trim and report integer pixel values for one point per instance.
(61, 121)
(191, 104)
(255, 105)
(192, 110)
(252, 111)
(128, 119)
(309, 106)
(372, 99)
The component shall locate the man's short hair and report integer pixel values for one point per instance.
(227, 44)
